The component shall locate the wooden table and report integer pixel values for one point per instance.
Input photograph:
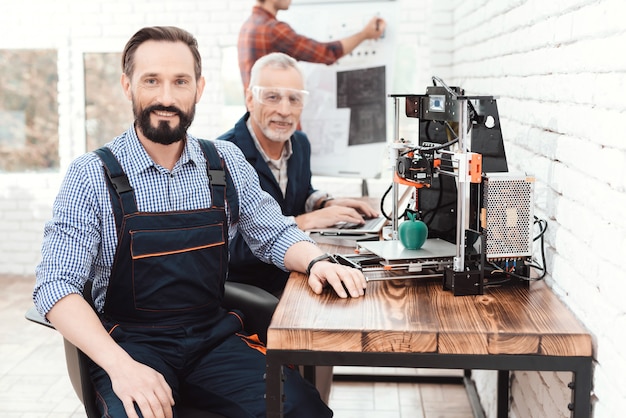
(415, 323)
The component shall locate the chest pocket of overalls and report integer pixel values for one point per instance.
(177, 269)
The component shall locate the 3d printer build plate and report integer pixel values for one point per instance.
(393, 250)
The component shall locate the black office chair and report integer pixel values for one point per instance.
(256, 304)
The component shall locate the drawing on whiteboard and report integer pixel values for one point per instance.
(363, 92)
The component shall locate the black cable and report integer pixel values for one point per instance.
(515, 275)
(382, 204)
(543, 226)
(438, 147)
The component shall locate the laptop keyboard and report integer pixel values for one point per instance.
(369, 224)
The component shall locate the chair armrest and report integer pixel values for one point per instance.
(33, 315)
(256, 304)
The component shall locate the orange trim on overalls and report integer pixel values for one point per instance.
(200, 247)
(254, 342)
(112, 329)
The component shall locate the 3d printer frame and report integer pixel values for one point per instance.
(462, 119)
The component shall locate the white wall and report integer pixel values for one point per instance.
(560, 80)
(557, 68)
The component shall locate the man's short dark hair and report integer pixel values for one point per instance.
(159, 33)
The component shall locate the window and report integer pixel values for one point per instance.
(29, 117)
(108, 113)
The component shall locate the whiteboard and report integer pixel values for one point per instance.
(348, 117)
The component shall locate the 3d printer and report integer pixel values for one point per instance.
(480, 216)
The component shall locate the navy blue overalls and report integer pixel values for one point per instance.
(163, 305)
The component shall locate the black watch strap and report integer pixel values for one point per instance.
(325, 201)
(319, 258)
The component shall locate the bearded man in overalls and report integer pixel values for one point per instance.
(146, 219)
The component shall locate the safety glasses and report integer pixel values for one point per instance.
(273, 96)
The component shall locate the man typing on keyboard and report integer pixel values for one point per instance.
(281, 154)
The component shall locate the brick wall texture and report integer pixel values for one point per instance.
(558, 71)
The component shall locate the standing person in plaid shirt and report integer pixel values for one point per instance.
(262, 33)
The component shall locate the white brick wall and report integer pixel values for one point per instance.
(557, 68)
(25, 204)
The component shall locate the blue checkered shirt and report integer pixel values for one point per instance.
(80, 240)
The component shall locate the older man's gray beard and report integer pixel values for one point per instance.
(271, 134)
(277, 136)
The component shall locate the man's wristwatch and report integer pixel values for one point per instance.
(319, 258)
(325, 201)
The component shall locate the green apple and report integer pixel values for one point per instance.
(412, 233)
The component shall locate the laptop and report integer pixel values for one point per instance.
(371, 226)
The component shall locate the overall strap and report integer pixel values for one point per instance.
(120, 190)
(220, 181)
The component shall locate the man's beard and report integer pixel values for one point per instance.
(275, 136)
(163, 133)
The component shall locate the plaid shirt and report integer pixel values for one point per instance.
(262, 34)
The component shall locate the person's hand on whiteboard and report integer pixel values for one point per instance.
(375, 28)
